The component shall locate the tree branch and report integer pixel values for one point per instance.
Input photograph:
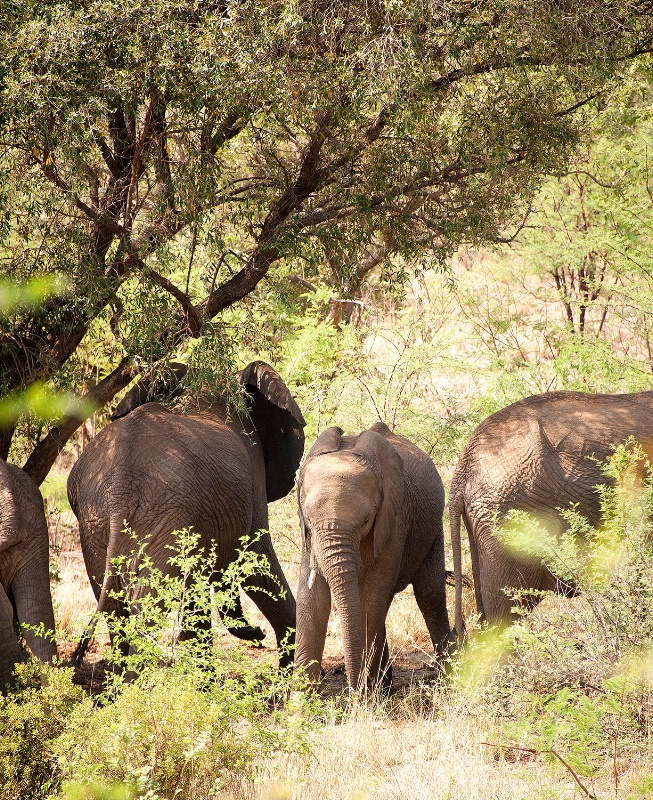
(193, 317)
(46, 451)
(265, 253)
(51, 174)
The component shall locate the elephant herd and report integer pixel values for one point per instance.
(370, 512)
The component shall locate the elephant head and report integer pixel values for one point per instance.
(351, 491)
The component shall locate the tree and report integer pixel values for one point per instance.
(590, 230)
(165, 156)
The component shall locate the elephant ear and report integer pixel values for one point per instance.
(279, 424)
(328, 441)
(389, 466)
(165, 383)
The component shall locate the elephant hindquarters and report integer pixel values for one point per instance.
(503, 582)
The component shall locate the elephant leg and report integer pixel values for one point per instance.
(234, 621)
(266, 590)
(429, 585)
(476, 573)
(375, 610)
(376, 595)
(313, 609)
(377, 657)
(10, 650)
(500, 577)
(385, 667)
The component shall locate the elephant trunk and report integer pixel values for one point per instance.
(339, 562)
(33, 603)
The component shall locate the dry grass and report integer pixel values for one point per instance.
(439, 754)
(73, 598)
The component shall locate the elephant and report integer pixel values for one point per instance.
(539, 455)
(167, 385)
(25, 599)
(158, 471)
(370, 511)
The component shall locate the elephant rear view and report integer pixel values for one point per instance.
(160, 471)
(370, 509)
(538, 455)
(25, 598)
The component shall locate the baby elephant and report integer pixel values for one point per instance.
(370, 509)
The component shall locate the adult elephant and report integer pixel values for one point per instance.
(538, 455)
(370, 509)
(25, 600)
(158, 471)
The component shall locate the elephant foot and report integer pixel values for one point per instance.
(248, 633)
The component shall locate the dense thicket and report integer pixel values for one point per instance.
(165, 157)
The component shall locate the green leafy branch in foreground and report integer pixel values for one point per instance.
(172, 614)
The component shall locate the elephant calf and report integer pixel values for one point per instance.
(370, 509)
(24, 570)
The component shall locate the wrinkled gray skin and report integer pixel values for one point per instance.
(536, 455)
(162, 471)
(370, 509)
(24, 570)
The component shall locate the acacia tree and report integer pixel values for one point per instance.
(590, 233)
(134, 135)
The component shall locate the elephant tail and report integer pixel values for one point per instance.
(116, 528)
(455, 515)
(113, 550)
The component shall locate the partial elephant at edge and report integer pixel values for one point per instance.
(25, 598)
(539, 455)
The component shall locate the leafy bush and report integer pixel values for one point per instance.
(171, 612)
(196, 718)
(171, 735)
(32, 715)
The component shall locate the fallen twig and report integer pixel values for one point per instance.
(540, 752)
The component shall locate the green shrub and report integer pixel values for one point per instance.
(170, 736)
(196, 718)
(32, 715)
